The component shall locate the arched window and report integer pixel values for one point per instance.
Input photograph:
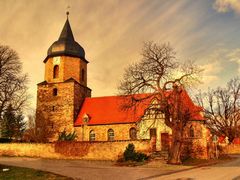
(55, 92)
(91, 135)
(133, 133)
(83, 75)
(110, 135)
(56, 71)
(191, 132)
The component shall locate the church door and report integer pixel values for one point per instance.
(165, 141)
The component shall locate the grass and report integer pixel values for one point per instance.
(20, 173)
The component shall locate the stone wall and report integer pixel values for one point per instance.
(56, 112)
(121, 131)
(69, 67)
(230, 149)
(74, 150)
(30, 150)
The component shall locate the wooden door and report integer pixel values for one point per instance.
(165, 141)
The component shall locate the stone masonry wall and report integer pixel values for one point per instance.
(197, 146)
(69, 67)
(56, 111)
(121, 132)
(230, 149)
(73, 150)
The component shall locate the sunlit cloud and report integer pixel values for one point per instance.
(234, 56)
(224, 6)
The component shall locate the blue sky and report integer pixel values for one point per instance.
(112, 33)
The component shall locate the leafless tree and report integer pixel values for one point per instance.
(13, 89)
(40, 133)
(161, 76)
(222, 109)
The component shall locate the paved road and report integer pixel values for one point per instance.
(97, 170)
(85, 170)
(226, 171)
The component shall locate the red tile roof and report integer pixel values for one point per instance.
(108, 110)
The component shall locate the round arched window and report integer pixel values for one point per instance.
(91, 135)
(110, 135)
(56, 71)
(133, 133)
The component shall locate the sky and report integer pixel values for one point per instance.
(112, 32)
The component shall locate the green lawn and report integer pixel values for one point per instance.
(20, 173)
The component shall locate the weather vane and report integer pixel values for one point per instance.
(68, 7)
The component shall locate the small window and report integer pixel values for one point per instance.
(191, 132)
(53, 108)
(55, 92)
(91, 135)
(110, 135)
(56, 72)
(83, 75)
(133, 134)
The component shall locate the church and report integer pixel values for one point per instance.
(64, 102)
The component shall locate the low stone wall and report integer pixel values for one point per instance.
(73, 150)
(230, 149)
(194, 148)
(29, 149)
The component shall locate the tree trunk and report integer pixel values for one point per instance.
(176, 148)
(230, 139)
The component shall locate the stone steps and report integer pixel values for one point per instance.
(159, 155)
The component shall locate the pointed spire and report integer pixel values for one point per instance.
(66, 33)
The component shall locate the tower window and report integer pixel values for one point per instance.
(83, 75)
(55, 92)
(53, 108)
(56, 72)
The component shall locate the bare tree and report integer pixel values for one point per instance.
(13, 89)
(222, 109)
(40, 133)
(161, 76)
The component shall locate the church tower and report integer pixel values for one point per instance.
(60, 95)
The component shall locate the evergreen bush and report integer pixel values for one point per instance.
(63, 136)
(131, 155)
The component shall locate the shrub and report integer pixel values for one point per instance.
(129, 153)
(63, 136)
(5, 140)
(132, 155)
(141, 157)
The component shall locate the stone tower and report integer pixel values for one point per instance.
(60, 95)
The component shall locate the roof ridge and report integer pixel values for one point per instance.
(116, 96)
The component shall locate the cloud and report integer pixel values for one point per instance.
(211, 72)
(234, 56)
(224, 6)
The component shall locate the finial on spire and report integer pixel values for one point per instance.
(67, 13)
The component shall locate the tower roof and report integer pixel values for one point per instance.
(66, 45)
